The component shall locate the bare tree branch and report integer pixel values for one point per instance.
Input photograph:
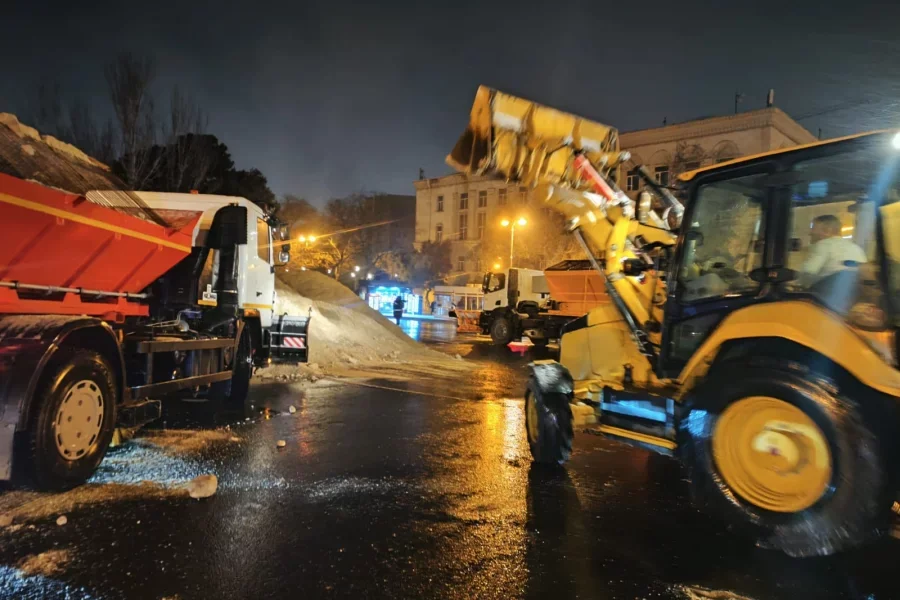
(128, 79)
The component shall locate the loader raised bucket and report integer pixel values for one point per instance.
(62, 254)
(529, 143)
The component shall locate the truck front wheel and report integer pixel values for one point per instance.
(785, 460)
(72, 421)
(501, 331)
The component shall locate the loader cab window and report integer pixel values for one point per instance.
(262, 240)
(724, 240)
(833, 232)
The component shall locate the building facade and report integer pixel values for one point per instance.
(460, 209)
(670, 150)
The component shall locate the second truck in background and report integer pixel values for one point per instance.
(538, 304)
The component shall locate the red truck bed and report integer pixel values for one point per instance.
(51, 239)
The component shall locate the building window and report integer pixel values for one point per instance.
(464, 201)
(479, 224)
(439, 233)
(632, 180)
(461, 263)
(501, 196)
(482, 199)
(440, 204)
(661, 174)
(523, 195)
(463, 227)
(690, 166)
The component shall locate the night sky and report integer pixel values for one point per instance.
(328, 98)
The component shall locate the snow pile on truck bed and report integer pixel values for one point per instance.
(344, 329)
(26, 154)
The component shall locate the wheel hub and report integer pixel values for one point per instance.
(771, 454)
(79, 420)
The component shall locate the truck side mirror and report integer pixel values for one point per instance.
(284, 257)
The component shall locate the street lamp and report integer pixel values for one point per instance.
(497, 266)
(521, 222)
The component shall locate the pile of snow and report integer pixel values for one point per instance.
(344, 330)
(28, 155)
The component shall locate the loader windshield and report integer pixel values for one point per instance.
(844, 218)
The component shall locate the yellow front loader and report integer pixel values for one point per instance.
(752, 331)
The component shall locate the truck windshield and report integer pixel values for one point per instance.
(834, 248)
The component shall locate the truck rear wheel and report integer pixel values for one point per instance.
(786, 461)
(548, 424)
(72, 421)
(501, 331)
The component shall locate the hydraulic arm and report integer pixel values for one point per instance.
(572, 163)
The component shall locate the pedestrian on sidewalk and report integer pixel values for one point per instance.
(398, 308)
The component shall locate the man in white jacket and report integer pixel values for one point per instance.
(829, 252)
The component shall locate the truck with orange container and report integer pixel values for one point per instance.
(111, 302)
(537, 305)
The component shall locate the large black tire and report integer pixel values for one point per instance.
(548, 425)
(73, 376)
(501, 331)
(854, 505)
(233, 396)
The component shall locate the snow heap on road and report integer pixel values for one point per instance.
(26, 154)
(344, 330)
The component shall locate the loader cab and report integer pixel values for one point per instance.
(820, 223)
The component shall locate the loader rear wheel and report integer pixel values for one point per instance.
(786, 461)
(548, 424)
(72, 421)
(501, 331)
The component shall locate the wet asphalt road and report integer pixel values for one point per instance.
(424, 491)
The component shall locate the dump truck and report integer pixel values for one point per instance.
(527, 303)
(111, 302)
(751, 331)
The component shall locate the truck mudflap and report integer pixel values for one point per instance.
(289, 338)
(26, 345)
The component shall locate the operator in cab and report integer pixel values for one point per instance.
(828, 252)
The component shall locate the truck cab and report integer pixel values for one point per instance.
(506, 295)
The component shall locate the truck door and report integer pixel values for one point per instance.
(260, 282)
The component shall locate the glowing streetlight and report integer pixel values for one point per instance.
(896, 141)
(312, 239)
(352, 274)
(521, 222)
(497, 266)
(356, 268)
